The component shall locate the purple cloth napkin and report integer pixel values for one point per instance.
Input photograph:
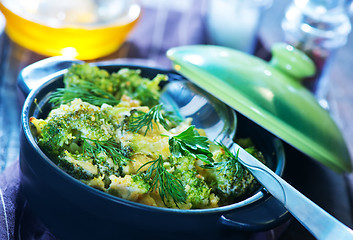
(16, 218)
(9, 185)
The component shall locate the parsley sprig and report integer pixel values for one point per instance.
(189, 142)
(94, 147)
(167, 184)
(142, 119)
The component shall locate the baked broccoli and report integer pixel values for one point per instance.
(110, 132)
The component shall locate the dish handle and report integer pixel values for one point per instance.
(261, 216)
(40, 72)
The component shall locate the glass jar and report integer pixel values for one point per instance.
(235, 23)
(319, 28)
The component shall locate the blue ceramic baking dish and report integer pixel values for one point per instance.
(73, 210)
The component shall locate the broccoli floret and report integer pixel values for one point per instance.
(231, 189)
(78, 166)
(232, 183)
(140, 180)
(137, 87)
(53, 136)
(78, 74)
(71, 121)
(197, 190)
(129, 187)
(184, 163)
(124, 82)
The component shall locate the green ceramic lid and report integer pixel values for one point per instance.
(269, 94)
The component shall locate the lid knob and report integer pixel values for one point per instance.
(291, 61)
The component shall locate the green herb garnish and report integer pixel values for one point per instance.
(191, 143)
(167, 184)
(110, 148)
(87, 92)
(154, 115)
(232, 165)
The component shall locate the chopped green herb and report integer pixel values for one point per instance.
(232, 164)
(154, 115)
(87, 92)
(191, 143)
(110, 148)
(167, 184)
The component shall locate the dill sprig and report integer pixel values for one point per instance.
(154, 115)
(167, 184)
(232, 165)
(94, 147)
(87, 92)
(189, 142)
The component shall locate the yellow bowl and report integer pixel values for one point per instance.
(80, 42)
